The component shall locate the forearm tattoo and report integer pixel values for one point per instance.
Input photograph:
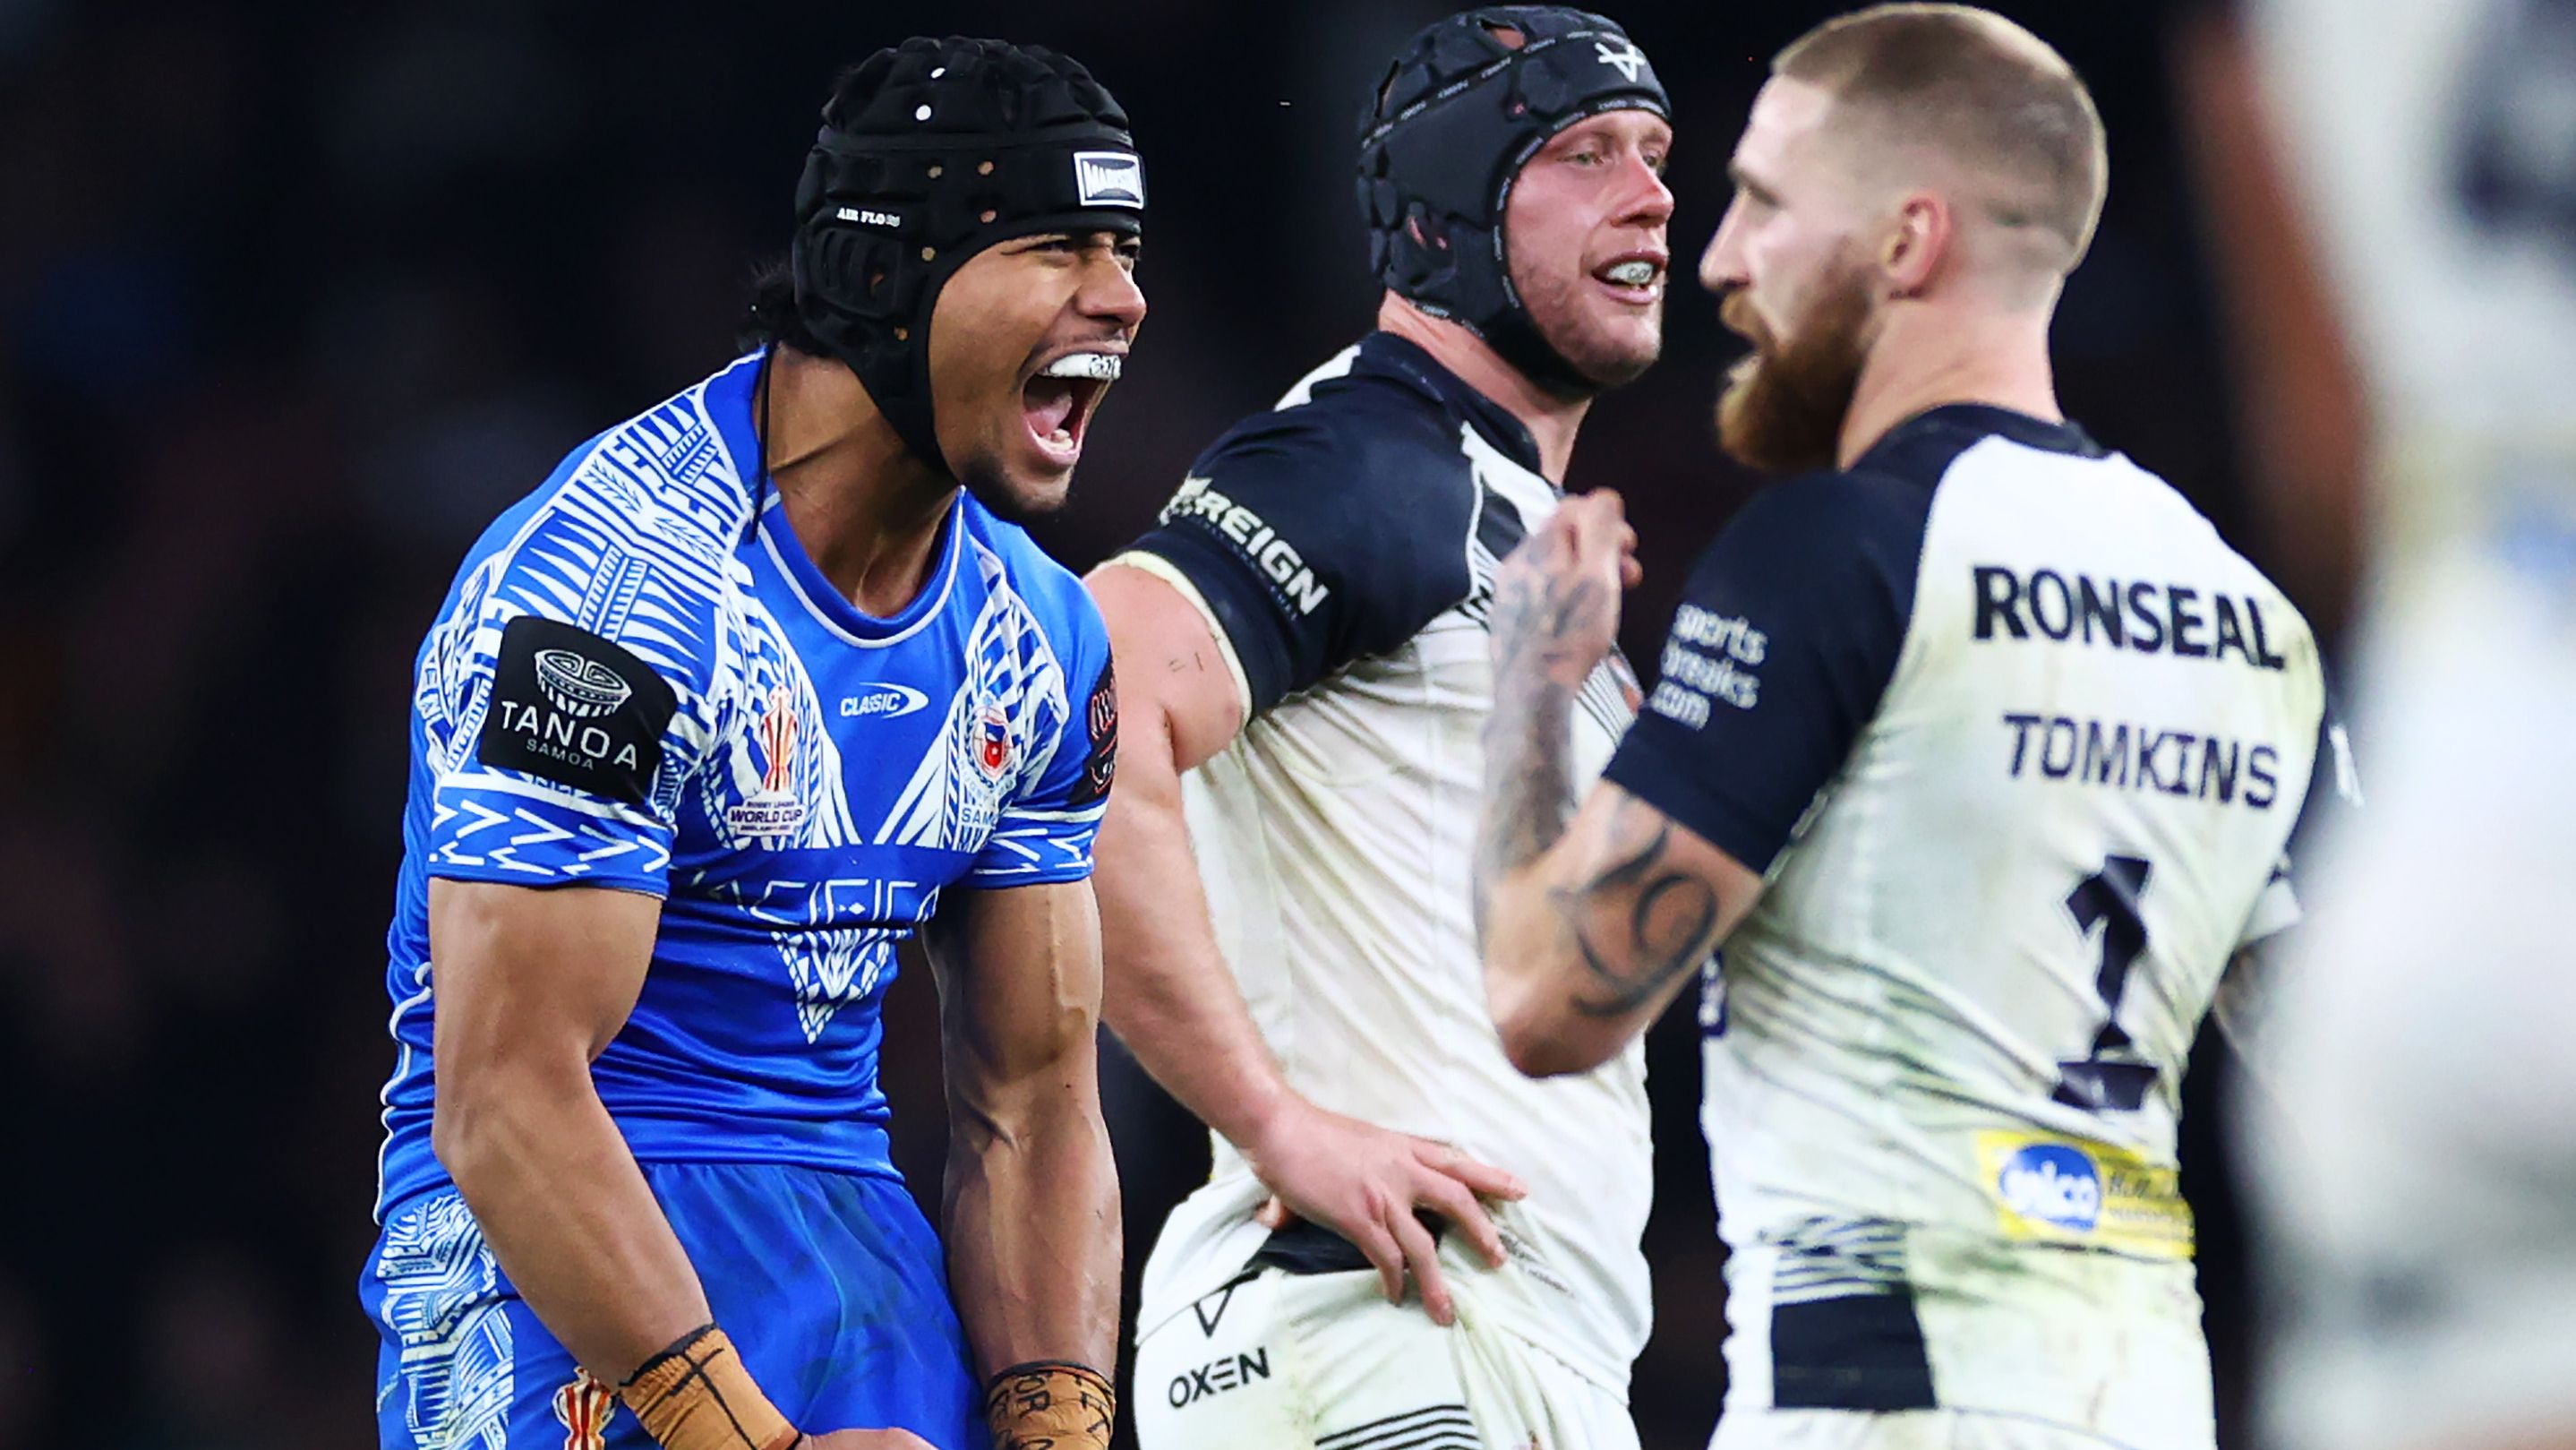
(1637, 923)
(1529, 787)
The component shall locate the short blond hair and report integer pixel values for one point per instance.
(1992, 96)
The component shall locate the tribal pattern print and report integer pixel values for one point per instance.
(1003, 726)
(442, 1300)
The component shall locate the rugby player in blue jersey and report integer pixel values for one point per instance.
(757, 684)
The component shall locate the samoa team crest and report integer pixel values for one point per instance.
(993, 740)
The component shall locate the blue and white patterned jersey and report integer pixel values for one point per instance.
(641, 681)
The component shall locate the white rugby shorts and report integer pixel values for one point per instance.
(1282, 1361)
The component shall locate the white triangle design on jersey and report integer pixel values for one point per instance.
(832, 968)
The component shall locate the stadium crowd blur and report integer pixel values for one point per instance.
(295, 297)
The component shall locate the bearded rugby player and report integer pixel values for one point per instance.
(1975, 747)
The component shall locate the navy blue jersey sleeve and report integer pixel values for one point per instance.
(1320, 537)
(2334, 793)
(1785, 640)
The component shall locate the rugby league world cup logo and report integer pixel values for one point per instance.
(773, 810)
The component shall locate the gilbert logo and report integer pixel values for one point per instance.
(578, 685)
(1627, 60)
(1109, 178)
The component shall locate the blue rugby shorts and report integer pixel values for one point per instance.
(832, 1285)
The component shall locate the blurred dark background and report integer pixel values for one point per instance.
(293, 298)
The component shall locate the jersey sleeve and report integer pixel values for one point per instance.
(1786, 637)
(2334, 792)
(1044, 833)
(562, 703)
(1311, 543)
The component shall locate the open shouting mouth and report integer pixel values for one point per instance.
(1058, 399)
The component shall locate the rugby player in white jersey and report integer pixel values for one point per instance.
(1284, 874)
(1974, 746)
(2412, 1159)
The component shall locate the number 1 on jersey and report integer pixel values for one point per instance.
(2110, 1078)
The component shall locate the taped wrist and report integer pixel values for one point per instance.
(697, 1395)
(1049, 1405)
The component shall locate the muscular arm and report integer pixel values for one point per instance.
(1172, 1001)
(1031, 1208)
(1169, 998)
(531, 986)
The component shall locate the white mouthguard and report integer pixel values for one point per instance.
(1099, 366)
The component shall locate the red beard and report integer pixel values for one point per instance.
(1784, 404)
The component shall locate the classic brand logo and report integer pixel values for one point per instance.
(882, 702)
(578, 685)
(1109, 178)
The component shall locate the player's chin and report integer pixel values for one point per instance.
(1021, 488)
(1616, 351)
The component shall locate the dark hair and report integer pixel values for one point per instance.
(770, 316)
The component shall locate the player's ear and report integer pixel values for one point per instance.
(1916, 239)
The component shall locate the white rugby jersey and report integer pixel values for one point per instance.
(1343, 548)
(2019, 742)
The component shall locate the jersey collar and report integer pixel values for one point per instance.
(1384, 354)
(731, 397)
(1982, 419)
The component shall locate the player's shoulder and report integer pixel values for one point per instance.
(664, 491)
(1810, 524)
(673, 483)
(1927, 448)
(631, 538)
(1380, 429)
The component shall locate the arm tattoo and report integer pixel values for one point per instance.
(1667, 926)
(1529, 788)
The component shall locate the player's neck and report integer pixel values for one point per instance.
(1930, 354)
(865, 508)
(1552, 420)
